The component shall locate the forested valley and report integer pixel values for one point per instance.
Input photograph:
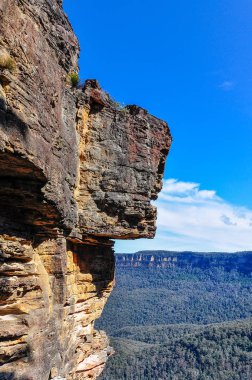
(180, 316)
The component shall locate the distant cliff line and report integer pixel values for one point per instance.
(241, 261)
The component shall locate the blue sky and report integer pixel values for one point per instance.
(188, 63)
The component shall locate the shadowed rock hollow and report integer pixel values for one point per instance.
(75, 171)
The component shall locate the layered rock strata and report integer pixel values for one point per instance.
(76, 170)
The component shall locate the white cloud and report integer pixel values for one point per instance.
(227, 220)
(185, 192)
(226, 85)
(193, 219)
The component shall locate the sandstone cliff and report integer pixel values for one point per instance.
(75, 172)
(238, 261)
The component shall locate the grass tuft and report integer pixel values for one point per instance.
(6, 62)
(74, 79)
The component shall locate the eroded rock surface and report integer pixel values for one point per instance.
(122, 156)
(75, 171)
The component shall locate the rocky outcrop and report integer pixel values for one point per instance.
(76, 170)
(122, 155)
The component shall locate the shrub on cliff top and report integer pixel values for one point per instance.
(117, 105)
(6, 62)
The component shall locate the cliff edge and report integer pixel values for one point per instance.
(76, 170)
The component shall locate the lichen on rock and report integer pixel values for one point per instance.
(75, 172)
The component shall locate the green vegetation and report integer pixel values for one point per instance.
(189, 321)
(213, 352)
(6, 62)
(117, 105)
(73, 78)
(121, 107)
(149, 296)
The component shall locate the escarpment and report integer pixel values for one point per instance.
(239, 261)
(76, 171)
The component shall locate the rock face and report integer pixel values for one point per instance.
(122, 155)
(75, 171)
